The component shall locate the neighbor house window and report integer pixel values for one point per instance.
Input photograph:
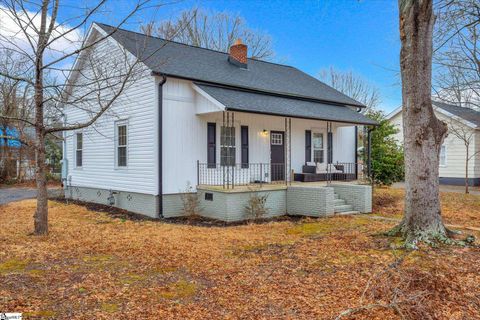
(318, 150)
(443, 155)
(79, 149)
(121, 144)
(227, 146)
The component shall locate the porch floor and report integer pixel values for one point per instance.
(276, 186)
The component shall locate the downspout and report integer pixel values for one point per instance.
(64, 172)
(160, 142)
(356, 152)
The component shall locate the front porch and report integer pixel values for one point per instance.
(314, 199)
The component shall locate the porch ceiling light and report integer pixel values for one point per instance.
(264, 133)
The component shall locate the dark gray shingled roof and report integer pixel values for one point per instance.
(248, 101)
(194, 63)
(467, 114)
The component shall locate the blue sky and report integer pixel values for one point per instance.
(361, 36)
(357, 35)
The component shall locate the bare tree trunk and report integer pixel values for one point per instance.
(41, 214)
(423, 132)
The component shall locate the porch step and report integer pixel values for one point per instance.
(338, 202)
(346, 213)
(343, 208)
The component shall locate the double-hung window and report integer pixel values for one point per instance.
(79, 149)
(318, 150)
(121, 144)
(227, 146)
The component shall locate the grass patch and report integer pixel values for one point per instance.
(132, 278)
(13, 266)
(40, 314)
(97, 259)
(110, 307)
(36, 272)
(181, 289)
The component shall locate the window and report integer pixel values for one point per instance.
(277, 139)
(443, 155)
(79, 150)
(318, 147)
(121, 144)
(227, 146)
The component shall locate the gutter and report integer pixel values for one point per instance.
(160, 143)
(300, 117)
(253, 90)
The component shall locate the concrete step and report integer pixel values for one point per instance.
(348, 213)
(343, 208)
(338, 202)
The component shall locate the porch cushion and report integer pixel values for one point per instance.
(321, 168)
(333, 169)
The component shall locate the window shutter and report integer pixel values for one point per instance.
(211, 144)
(330, 147)
(244, 141)
(308, 146)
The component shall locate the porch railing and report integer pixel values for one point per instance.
(343, 171)
(229, 176)
(242, 174)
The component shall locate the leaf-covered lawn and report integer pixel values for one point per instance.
(95, 266)
(457, 208)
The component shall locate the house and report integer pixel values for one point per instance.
(453, 152)
(225, 124)
(17, 161)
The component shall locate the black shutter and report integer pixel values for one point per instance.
(244, 142)
(308, 146)
(329, 147)
(211, 144)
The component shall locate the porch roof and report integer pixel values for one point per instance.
(235, 99)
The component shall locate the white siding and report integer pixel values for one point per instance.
(455, 151)
(138, 106)
(185, 136)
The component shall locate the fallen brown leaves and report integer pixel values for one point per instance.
(93, 265)
(457, 208)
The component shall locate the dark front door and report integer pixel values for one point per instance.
(277, 155)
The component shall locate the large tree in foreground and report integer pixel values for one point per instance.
(423, 132)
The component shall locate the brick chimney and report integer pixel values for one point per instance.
(238, 54)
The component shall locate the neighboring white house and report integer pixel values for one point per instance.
(206, 118)
(453, 152)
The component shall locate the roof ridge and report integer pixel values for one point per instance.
(189, 45)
